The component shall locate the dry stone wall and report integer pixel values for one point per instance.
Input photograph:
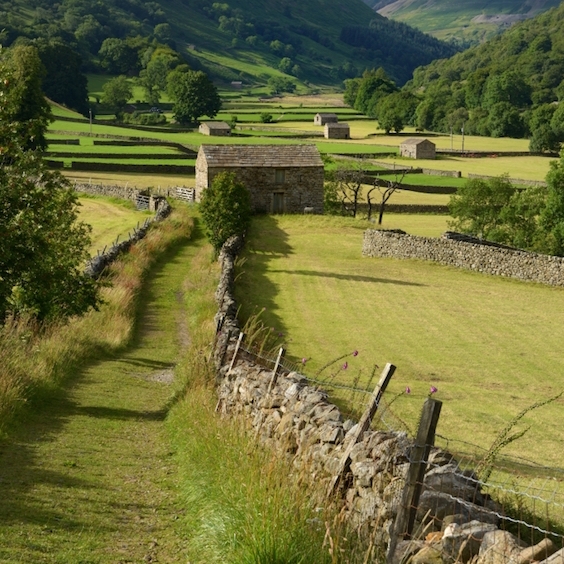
(470, 254)
(299, 421)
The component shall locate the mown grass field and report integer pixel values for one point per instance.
(109, 219)
(490, 345)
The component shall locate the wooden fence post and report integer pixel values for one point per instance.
(407, 511)
(275, 371)
(237, 346)
(363, 425)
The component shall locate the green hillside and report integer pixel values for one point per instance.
(248, 40)
(465, 20)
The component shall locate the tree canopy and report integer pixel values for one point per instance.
(226, 209)
(42, 246)
(194, 95)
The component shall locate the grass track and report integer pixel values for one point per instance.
(90, 478)
(490, 345)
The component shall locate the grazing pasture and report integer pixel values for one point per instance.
(490, 345)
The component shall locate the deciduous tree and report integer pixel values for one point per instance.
(194, 95)
(226, 209)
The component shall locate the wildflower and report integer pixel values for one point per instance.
(355, 353)
(433, 390)
(407, 390)
(304, 360)
(345, 366)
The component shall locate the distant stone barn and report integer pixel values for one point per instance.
(214, 128)
(337, 131)
(280, 178)
(322, 119)
(418, 149)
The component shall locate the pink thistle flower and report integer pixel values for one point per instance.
(407, 390)
(304, 360)
(433, 390)
(345, 366)
(355, 353)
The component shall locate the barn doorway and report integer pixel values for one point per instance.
(278, 202)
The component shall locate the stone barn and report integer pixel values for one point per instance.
(418, 149)
(337, 131)
(322, 119)
(214, 128)
(280, 178)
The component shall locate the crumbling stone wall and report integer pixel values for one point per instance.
(469, 253)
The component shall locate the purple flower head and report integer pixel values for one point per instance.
(433, 390)
(345, 366)
(407, 390)
(304, 360)
(355, 353)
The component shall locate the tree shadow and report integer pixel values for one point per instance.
(266, 241)
(24, 470)
(351, 277)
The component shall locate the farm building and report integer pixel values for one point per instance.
(280, 178)
(214, 128)
(417, 149)
(337, 131)
(322, 119)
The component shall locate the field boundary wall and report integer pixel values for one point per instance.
(291, 413)
(468, 253)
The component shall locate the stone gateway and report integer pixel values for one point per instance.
(280, 178)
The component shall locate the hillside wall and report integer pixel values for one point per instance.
(469, 254)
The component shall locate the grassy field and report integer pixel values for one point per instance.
(109, 219)
(490, 345)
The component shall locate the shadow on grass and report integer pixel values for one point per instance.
(29, 486)
(353, 277)
(253, 289)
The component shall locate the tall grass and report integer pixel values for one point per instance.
(36, 360)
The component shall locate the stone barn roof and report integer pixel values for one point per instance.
(263, 156)
(416, 141)
(222, 125)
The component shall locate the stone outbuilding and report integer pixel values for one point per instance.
(416, 148)
(337, 131)
(322, 119)
(280, 178)
(215, 128)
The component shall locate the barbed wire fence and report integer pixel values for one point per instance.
(520, 496)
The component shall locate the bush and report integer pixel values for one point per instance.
(265, 117)
(226, 209)
(139, 118)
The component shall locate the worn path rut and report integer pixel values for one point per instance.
(91, 477)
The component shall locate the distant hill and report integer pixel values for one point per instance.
(470, 21)
(318, 42)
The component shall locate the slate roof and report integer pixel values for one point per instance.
(271, 156)
(416, 141)
(341, 125)
(325, 114)
(217, 125)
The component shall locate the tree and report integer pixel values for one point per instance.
(551, 218)
(64, 81)
(348, 180)
(477, 207)
(279, 84)
(396, 111)
(153, 78)
(194, 95)
(225, 208)
(117, 56)
(26, 107)
(386, 190)
(117, 92)
(42, 246)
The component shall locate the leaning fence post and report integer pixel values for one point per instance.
(405, 520)
(275, 371)
(237, 347)
(363, 424)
